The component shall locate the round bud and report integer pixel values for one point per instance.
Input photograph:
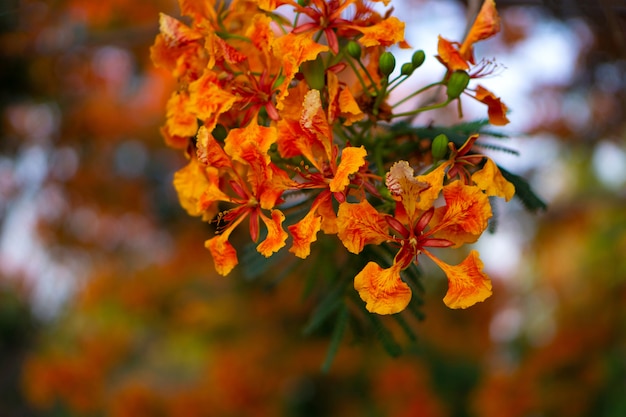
(418, 58)
(439, 147)
(386, 63)
(354, 49)
(407, 69)
(457, 83)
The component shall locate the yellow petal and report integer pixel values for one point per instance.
(351, 160)
(385, 33)
(490, 180)
(209, 100)
(401, 182)
(434, 179)
(292, 50)
(349, 108)
(383, 290)
(359, 225)
(467, 283)
(190, 183)
(180, 120)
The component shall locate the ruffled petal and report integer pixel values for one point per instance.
(467, 283)
(351, 160)
(383, 290)
(360, 224)
(403, 185)
(190, 183)
(385, 33)
(180, 120)
(292, 50)
(464, 217)
(209, 100)
(210, 152)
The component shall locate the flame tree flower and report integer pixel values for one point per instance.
(286, 123)
(459, 59)
(416, 226)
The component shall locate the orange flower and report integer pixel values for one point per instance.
(457, 56)
(308, 134)
(462, 219)
(460, 57)
(240, 174)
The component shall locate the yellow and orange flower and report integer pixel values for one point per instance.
(460, 220)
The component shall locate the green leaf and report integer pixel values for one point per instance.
(526, 195)
(324, 309)
(384, 335)
(406, 327)
(340, 328)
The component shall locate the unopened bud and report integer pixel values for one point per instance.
(386, 63)
(439, 147)
(457, 83)
(407, 69)
(354, 49)
(418, 59)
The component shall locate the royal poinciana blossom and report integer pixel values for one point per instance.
(279, 98)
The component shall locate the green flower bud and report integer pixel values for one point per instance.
(407, 68)
(314, 73)
(457, 84)
(354, 49)
(386, 63)
(418, 59)
(439, 147)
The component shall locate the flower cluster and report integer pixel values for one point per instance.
(283, 107)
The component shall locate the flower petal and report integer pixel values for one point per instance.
(209, 99)
(402, 184)
(383, 290)
(486, 25)
(496, 109)
(223, 253)
(304, 233)
(490, 180)
(360, 224)
(276, 236)
(467, 283)
(385, 33)
(180, 120)
(351, 160)
(190, 183)
(449, 56)
(465, 215)
(210, 152)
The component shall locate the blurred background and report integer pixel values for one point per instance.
(109, 305)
